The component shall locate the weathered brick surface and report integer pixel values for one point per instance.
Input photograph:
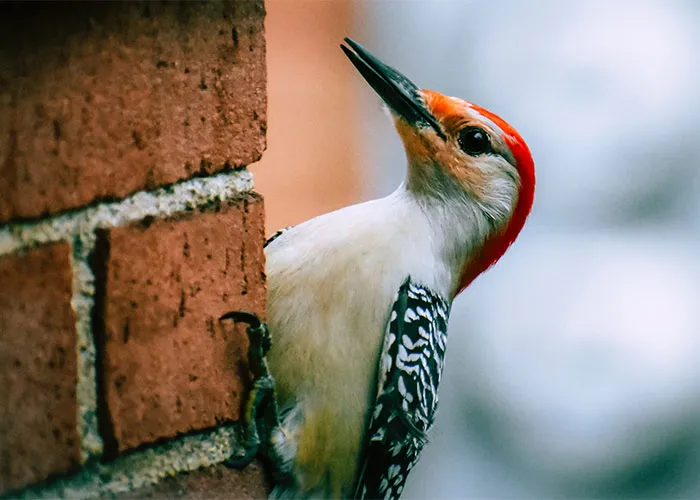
(168, 365)
(99, 100)
(216, 482)
(38, 366)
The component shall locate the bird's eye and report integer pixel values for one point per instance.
(474, 141)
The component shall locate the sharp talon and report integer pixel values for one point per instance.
(243, 316)
(241, 462)
(261, 414)
(257, 330)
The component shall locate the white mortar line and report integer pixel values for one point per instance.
(162, 202)
(144, 467)
(78, 228)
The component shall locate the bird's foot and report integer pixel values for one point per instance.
(261, 413)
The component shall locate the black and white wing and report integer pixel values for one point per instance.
(277, 235)
(409, 373)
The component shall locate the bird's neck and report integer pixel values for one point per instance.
(458, 229)
(470, 236)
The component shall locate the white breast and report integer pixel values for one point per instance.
(331, 284)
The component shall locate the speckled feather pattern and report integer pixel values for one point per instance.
(409, 373)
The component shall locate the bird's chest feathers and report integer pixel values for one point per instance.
(332, 282)
(330, 300)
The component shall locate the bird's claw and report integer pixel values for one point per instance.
(242, 461)
(258, 333)
(261, 413)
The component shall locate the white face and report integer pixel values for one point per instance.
(472, 161)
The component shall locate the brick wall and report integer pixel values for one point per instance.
(128, 225)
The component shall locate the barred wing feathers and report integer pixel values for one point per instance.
(410, 369)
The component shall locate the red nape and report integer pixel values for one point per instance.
(496, 246)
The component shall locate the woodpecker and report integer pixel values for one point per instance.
(359, 298)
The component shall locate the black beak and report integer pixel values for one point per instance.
(397, 91)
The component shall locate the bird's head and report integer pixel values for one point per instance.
(457, 151)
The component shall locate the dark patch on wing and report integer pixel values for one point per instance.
(409, 373)
(277, 235)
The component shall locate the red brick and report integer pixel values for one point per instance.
(99, 100)
(216, 482)
(168, 365)
(38, 367)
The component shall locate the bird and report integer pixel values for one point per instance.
(359, 298)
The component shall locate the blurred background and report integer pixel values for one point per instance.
(573, 369)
